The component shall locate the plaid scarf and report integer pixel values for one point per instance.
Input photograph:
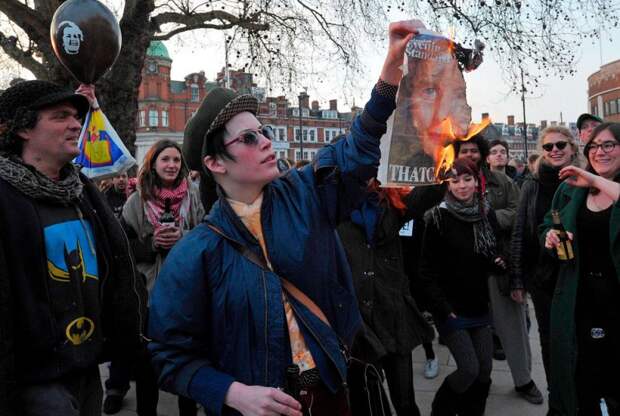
(36, 185)
(179, 204)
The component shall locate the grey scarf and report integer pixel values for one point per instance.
(484, 237)
(35, 185)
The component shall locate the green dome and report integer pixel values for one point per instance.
(157, 49)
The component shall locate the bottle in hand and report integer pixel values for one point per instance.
(565, 248)
(167, 218)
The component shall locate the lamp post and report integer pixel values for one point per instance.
(524, 122)
(301, 135)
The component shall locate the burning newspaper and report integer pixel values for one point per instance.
(431, 109)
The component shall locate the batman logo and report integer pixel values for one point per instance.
(79, 330)
(76, 268)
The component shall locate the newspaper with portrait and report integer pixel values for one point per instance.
(431, 109)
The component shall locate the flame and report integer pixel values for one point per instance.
(445, 155)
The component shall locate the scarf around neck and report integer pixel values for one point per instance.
(179, 204)
(548, 175)
(32, 183)
(485, 242)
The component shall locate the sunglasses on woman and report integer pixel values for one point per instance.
(251, 137)
(547, 147)
(605, 146)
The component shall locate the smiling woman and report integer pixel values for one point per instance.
(585, 311)
(164, 208)
(530, 268)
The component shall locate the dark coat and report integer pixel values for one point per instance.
(392, 322)
(569, 200)
(453, 275)
(23, 271)
(530, 264)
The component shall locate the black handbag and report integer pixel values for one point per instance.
(364, 387)
(367, 396)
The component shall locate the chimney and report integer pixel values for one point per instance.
(484, 116)
(304, 99)
(511, 120)
(315, 105)
(333, 105)
(543, 124)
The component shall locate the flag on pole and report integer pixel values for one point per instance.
(102, 152)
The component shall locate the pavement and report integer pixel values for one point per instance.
(503, 399)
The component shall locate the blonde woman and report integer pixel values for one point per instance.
(531, 270)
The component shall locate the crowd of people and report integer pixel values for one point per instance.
(247, 286)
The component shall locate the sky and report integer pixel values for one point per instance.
(486, 90)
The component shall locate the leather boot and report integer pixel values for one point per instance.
(475, 399)
(445, 401)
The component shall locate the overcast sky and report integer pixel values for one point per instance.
(486, 90)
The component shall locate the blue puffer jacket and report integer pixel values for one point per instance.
(216, 317)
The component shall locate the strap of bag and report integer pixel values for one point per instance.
(262, 263)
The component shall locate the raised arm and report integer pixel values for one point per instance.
(342, 170)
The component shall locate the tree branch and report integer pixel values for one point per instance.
(198, 21)
(25, 17)
(24, 58)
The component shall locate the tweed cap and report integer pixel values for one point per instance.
(35, 95)
(217, 108)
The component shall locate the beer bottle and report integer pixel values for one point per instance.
(565, 248)
(167, 218)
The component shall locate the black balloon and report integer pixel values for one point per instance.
(86, 38)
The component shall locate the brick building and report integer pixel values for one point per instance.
(165, 106)
(604, 92)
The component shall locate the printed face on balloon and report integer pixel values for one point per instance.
(72, 37)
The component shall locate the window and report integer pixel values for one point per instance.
(329, 114)
(613, 107)
(606, 108)
(164, 118)
(153, 118)
(312, 135)
(195, 93)
(272, 108)
(282, 134)
(141, 118)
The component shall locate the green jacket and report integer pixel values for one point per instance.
(568, 200)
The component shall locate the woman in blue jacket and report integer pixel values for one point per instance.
(264, 284)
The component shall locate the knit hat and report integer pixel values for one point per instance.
(217, 108)
(35, 95)
(586, 116)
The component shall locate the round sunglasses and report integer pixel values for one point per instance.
(250, 137)
(547, 147)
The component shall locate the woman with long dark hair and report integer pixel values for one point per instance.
(531, 268)
(165, 206)
(459, 252)
(585, 335)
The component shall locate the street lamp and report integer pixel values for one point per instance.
(524, 122)
(301, 136)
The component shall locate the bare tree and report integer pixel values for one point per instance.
(280, 39)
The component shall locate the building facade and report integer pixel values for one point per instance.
(165, 106)
(604, 92)
(512, 133)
